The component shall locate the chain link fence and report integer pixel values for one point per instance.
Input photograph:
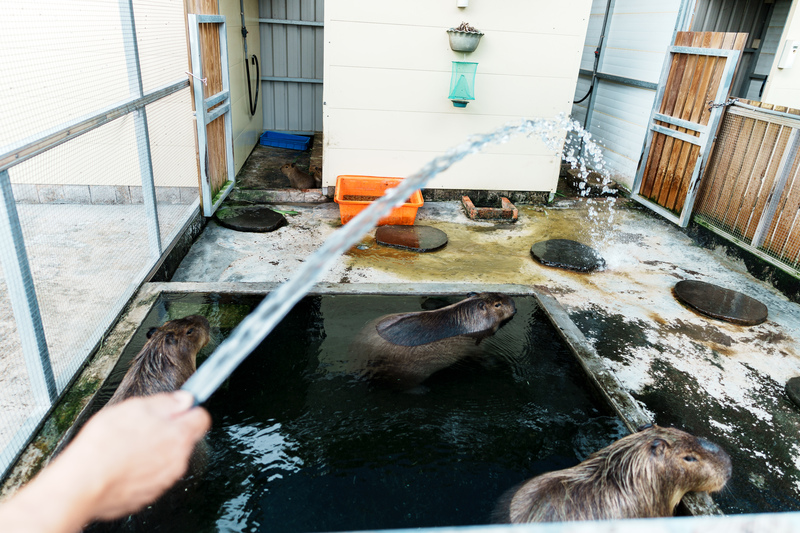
(98, 175)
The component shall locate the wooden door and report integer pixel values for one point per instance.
(695, 80)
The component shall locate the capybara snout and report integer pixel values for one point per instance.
(642, 475)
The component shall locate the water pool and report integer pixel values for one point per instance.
(299, 445)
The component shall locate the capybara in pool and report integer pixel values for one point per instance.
(642, 475)
(402, 350)
(167, 359)
(297, 178)
(164, 364)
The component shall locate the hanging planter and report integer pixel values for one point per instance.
(464, 38)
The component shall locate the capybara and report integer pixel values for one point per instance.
(403, 350)
(167, 359)
(642, 475)
(316, 173)
(165, 362)
(297, 178)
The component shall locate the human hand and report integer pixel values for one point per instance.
(130, 453)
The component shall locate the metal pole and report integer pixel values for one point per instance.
(23, 298)
(142, 132)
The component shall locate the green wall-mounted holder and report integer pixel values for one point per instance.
(462, 83)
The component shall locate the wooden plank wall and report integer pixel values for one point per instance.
(216, 163)
(692, 82)
(739, 180)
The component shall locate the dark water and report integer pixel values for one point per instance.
(298, 445)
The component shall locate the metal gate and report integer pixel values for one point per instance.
(291, 56)
(215, 147)
(695, 81)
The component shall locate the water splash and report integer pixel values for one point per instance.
(586, 156)
(259, 323)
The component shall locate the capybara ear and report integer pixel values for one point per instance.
(151, 331)
(471, 294)
(658, 447)
(643, 427)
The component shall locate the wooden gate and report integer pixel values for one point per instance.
(695, 80)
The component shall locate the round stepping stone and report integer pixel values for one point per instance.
(413, 238)
(568, 254)
(793, 390)
(257, 219)
(718, 302)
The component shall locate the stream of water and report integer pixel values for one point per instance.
(579, 150)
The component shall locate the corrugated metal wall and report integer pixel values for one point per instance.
(763, 21)
(634, 48)
(292, 64)
(632, 56)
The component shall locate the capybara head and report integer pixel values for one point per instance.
(644, 474)
(497, 307)
(287, 168)
(167, 359)
(682, 462)
(182, 338)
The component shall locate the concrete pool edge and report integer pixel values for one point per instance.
(97, 371)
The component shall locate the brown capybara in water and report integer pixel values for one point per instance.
(642, 475)
(297, 178)
(167, 359)
(403, 350)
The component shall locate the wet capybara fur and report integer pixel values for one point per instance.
(402, 350)
(167, 359)
(297, 178)
(642, 475)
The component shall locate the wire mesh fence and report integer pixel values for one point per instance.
(98, 174)
(751, 189)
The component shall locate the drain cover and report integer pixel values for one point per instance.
(257, 219)
(565, 253)
(793, 390)
(414, 238)
(721, 303)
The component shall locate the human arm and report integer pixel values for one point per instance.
(124, 458)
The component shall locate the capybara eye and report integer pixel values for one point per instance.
(497, 304)
(191, 330)
(690, 459)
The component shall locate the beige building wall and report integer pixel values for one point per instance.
(783, 85)
(387, 78)
(246, 128)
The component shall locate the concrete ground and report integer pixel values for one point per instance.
(714, 379)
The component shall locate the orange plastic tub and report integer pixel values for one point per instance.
(355, 193)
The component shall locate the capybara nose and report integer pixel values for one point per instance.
(709, 446)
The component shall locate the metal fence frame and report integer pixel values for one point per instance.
(16, 267)
(778, 193)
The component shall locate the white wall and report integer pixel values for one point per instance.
(387, 78)
(783, 85)
(246, 128)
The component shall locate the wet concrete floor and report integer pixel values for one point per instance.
(715, 379)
